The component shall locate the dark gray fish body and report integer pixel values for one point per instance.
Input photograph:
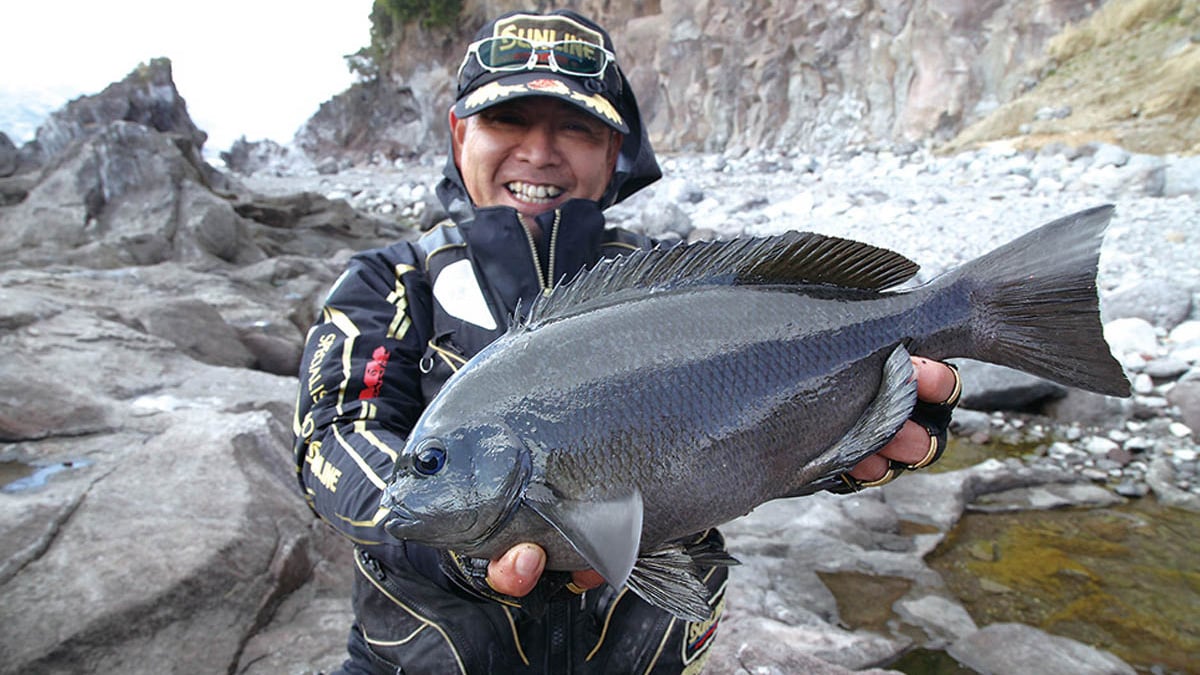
(673, 391)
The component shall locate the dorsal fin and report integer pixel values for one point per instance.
(793, 258)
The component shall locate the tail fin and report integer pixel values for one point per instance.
(1036, 308)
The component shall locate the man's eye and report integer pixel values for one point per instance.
(505, 118)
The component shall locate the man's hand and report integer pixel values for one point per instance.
(936, 383)
(517, 571)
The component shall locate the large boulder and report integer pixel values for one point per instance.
(147, 96)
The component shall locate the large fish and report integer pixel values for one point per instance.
(666, 392)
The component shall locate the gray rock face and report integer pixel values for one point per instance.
(720, 76)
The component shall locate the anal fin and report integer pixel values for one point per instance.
(669, 578)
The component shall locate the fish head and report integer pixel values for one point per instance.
(453, 488)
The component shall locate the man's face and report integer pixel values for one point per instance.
(533, 154)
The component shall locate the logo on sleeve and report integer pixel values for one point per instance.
(373, 377)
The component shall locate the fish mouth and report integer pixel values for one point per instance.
(400, 522)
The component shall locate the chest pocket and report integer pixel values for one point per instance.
(463, 319)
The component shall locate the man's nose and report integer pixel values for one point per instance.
(540, 145)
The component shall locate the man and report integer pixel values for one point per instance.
(545, 133)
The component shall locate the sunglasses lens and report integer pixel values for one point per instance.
(573, 57)
(504, 53)
(578, 58)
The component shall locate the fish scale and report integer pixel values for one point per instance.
(670, 391)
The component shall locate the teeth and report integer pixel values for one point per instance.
(533, 193)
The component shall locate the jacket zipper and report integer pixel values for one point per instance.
(545, 283)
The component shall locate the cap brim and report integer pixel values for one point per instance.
(511, 86)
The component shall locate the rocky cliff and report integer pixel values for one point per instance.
(819, 77)
(719, 75)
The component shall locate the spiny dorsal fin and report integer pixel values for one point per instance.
(793, 258)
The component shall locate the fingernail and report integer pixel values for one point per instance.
(527, 562)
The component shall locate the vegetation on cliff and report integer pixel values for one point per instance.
(1129, 74)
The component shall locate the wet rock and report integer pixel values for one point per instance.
(1011, 648)
(1044, 497)
(944, 620)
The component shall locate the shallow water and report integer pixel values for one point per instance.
(19, 476)
(1125, 579)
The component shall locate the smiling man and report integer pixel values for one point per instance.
(545, 134)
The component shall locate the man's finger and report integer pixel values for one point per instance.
(517, 571)
(936, 382)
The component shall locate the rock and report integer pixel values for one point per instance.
(250, 157)
(991, 387)
(1107, 154)
(1160, 476)
(1131, 336)
(1044, 497)
(1053, 113)
(378, 117)
(758, 645)
(665, 219)
(1085, 407)
(197, 329)
(787, 75)
(1185, 396)
(112, 200)
(1015, 648)
(8, 156)
(147, 97)
(943, 619)
(1182, 177)
(1159, 302)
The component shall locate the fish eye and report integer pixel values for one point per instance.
(429, 459)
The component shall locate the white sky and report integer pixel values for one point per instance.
(258, 68)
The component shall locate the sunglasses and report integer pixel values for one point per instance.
(571, 57)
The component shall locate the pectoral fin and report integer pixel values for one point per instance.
(877, 424)
(607, 534)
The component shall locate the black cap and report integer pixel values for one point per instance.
(479, 88)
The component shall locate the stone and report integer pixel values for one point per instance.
(990, 387)
(1131, 335)
(942, 618)
(1015, 648)
(1185, 395)
(1182, 177)
(9, 156)
(1157, 301)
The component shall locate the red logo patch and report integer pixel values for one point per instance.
(545, 84)
(373, 377)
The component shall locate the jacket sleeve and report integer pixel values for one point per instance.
(360, 389)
